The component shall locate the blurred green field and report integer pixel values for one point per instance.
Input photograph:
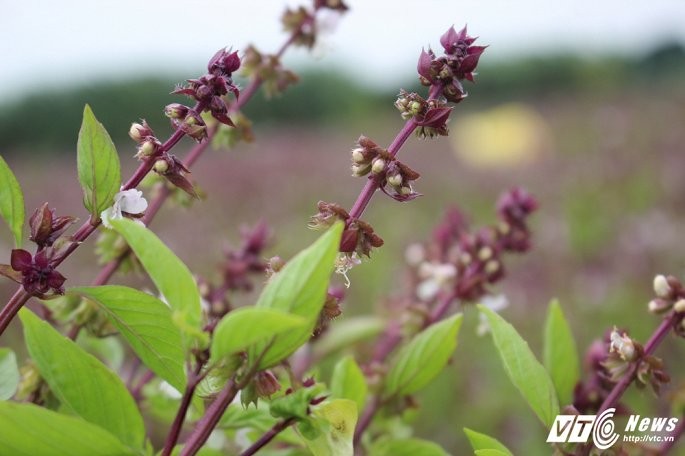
(605, 161)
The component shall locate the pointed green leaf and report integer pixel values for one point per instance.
(29, 430)
(560, 354)
(11, 202)
(145, 322)
(523, 369)
(9, 374)
(336, 419)
(485, 442)
(348, 382)
(98, 165)
(408, 447)
(82, 384)
(422, 359)
(171, 277)
(300, 289)
(243, 327)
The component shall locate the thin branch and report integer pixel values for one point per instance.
(268, 437)
(193, 380)
(651, 345)
(211, 418)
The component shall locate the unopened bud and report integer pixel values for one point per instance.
(395, 180)
(176, 111)
(491, 267)
(378, 166)
(147, 149)
(360, 170)
(138, 132)
(485, 254)
(415, 107)
(661, 286)
(266, 384)
(161, 166)
(679, 306)
(276, 263)
(358, 156)
(405, 191)
(658, 305)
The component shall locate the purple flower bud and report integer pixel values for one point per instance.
(224, 62)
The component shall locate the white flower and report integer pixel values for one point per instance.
(344, 263)
(494, 303)
(435, 275)
(623, 345)
(129, 201)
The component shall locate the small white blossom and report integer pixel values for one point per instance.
(128, 201)
(495, 303)
(436, 276)
(344, 263)
(623, 345)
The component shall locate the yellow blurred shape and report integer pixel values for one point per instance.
(508, 135)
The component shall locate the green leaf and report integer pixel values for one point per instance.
(408, 447)
(560, 354)
(422, 359)
(299, 289)
(29, 430)
(145, 322)
(491, 452)
(347, 331)
(98, 165)
(485, 442)
(9, 374)
(171, 277)
(348, 382)
(82, 384)
(523, 369)
(243, 327)
(11, 202)
(296, 404)
(336, 419)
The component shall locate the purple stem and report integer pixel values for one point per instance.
(651, 345)
(268, 437)
(210, 419)
(12, 307)
(89, 226)
(193, 380)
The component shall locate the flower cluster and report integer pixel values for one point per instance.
(430, 115)
(394, 177)
(358, 236)
(47, 227)
(173, 170)
(458, 63)
(36, 273)
(268, 69)
(208, 91)
(478, 255)
(301, 22)
(236, 270)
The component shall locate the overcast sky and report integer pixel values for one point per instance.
(77, 40)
